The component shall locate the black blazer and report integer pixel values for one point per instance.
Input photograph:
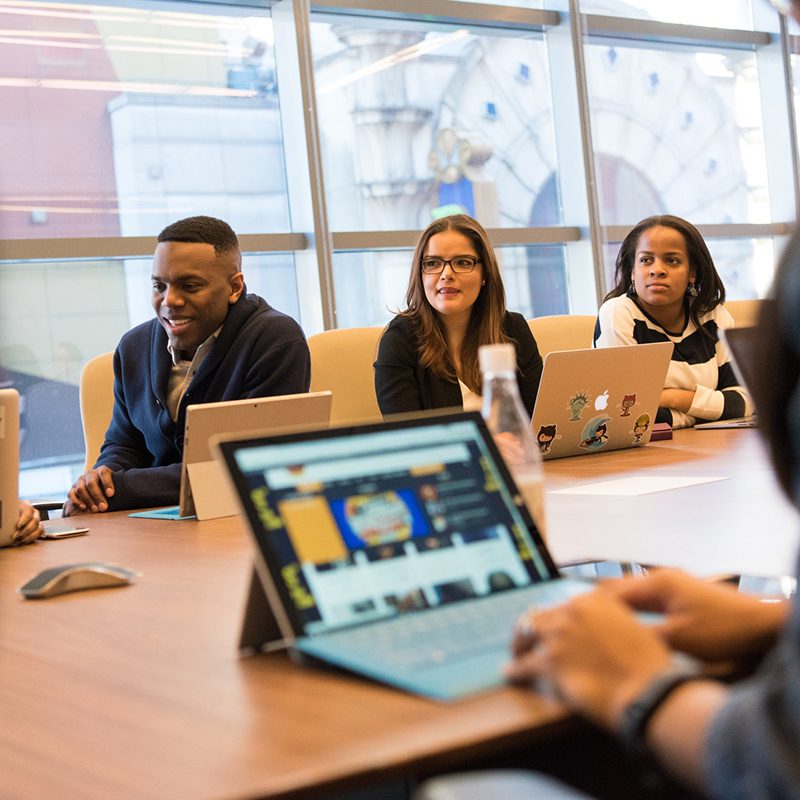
(403, 384)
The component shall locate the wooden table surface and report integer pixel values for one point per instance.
(138, 692)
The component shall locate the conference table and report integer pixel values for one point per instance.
(139, 691)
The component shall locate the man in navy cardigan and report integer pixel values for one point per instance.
(210, 341)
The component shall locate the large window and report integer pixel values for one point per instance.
(329, 141)
(677, 132)
(451, 118)
(117, 119)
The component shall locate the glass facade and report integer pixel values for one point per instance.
(118, 120)
(677, 132)
(330, 141)
(451, 118)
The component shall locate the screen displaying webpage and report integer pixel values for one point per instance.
(386, 522)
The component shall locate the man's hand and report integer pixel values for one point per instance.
(29, 524)
(90, 491)
(592, 650)
(709, 621)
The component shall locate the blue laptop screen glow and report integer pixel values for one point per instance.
(371, 525)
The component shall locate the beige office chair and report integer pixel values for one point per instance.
(562, 332)
(341, 361)
(97, 403)
(744, 312)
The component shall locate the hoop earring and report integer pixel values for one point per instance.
(632, 290)
(692, 289)
(483, 282)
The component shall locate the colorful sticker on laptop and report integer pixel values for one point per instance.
(576, 405)
(595, 433)
(628, 402)
(546, 436)
(640, 427)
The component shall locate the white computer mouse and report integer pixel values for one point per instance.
(74, 577)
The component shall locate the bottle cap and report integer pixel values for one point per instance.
(497, 358)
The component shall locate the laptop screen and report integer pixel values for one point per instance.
(366, 523)
(742, 344)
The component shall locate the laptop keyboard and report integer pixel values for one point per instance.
(442, 635)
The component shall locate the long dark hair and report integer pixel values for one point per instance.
(710, 291)
(486, 317)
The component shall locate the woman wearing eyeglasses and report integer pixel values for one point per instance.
(455, 303)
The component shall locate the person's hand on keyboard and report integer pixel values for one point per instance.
(709, 621)
(592, 650)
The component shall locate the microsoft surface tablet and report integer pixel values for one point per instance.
(204, 491)
(400, 549)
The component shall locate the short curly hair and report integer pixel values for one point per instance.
(202, 230)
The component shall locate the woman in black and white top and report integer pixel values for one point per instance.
(667, 289)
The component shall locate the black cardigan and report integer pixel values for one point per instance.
(403, 384)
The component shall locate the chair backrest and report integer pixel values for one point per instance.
(744, 312)
(97, 403)
(562, 332)
(341, 361)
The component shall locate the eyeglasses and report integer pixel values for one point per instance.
(433, 265)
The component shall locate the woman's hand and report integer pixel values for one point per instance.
(592, 650)
(29, 524)
(709, 621)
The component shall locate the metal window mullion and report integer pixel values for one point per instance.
(323, 241)
(368, 241)
(97, 248)
(786, 50)
(444, 11)
(576, 23)
(649, 32)
(616, 233)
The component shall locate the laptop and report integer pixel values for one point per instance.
(9, 464)
(741, 344)
(400, 550)
(204, 490)
(599, 399)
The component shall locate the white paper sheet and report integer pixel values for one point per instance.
(634, 485)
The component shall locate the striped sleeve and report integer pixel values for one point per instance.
(615, 323)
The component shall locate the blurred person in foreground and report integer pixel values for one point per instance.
(728, 741)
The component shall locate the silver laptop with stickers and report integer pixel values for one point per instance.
(596, 400)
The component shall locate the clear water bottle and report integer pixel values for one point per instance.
(510, 425)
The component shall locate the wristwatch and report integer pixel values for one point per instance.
(637, 715)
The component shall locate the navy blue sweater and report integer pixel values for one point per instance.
(259, 352)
